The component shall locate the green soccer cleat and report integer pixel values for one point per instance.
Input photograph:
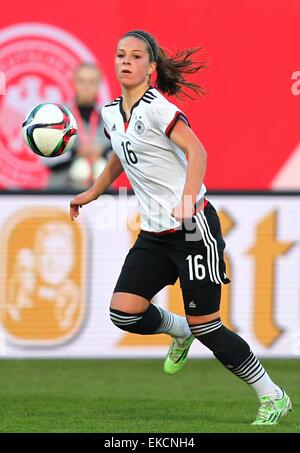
(271, 410)
(177, 355)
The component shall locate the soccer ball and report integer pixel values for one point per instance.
(49, 130)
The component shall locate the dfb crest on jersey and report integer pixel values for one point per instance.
(139, 127)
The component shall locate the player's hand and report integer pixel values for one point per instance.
(185, 210)
(78, 201)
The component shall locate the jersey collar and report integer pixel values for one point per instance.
(143, 98)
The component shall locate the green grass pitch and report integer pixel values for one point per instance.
(128, 396)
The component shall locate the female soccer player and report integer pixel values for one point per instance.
(180, 230)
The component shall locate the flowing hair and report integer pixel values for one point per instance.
(171, 70)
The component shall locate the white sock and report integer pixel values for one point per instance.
(266, 387)
(173, 325)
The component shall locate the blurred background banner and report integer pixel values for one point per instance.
(57, 276)
(249, 122)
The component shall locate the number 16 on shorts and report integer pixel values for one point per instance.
(196, 268)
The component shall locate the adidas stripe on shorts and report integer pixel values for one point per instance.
(194, 254)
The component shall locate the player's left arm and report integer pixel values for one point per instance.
(183, 136)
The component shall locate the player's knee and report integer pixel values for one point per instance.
(143, 323)
(201, 319)
(129, 303)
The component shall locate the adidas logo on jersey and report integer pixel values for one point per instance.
(192, 304)
(114, 128)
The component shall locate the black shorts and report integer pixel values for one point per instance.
(194, 254)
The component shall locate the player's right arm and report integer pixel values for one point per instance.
(112, 170)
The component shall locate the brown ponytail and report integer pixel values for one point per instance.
(171, 70)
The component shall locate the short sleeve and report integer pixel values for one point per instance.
(105, 125)
(165, 115)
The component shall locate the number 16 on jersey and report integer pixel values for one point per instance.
(130, 156)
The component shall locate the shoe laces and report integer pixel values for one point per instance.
(176, 349)
(266, 404)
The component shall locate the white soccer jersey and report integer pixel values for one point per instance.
(154, 165)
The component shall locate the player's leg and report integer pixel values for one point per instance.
(145, 272)
(189, 253)
(234, 353)
(202, 272)
(137, 314)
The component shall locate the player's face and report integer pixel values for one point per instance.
(132, 62)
